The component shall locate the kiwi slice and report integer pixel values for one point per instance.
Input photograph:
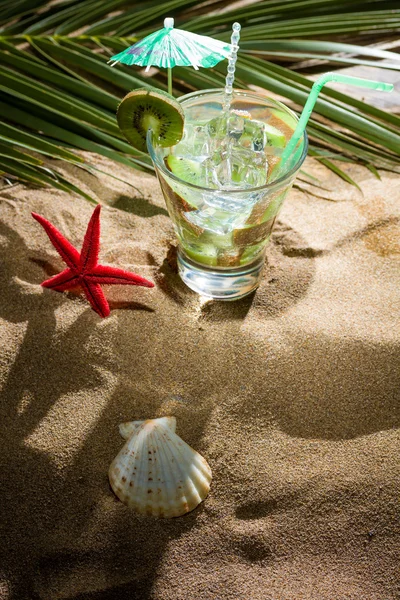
(248, 236)
(202, 253)
(148, 108)
(251, 253)
(186, 169)
(228, 258)
(283, 121)
(274, 137)
(178, 206)
(178, 203)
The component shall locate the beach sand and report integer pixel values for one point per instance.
(292, 396)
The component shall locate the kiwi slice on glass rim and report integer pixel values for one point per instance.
(149, 108)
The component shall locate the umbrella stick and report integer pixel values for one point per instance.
(169, 80)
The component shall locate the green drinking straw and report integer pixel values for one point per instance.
(312, 98)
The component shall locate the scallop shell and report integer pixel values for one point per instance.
(157, 473)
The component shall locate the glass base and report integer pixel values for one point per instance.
(220, 284)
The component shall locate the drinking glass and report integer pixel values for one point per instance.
(223, 233)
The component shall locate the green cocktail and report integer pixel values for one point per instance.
(222, 188)
(225, 180)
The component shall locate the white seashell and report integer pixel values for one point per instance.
(157, 473)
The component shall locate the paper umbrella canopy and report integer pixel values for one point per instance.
(172, 47)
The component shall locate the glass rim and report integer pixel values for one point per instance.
(267, 186)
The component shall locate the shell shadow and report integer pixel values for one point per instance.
(133, 546)
(126, 570)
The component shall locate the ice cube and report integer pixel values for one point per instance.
(228, 122)
(194, 144)
(217, 157)
(207, 219)
(217, 126)
(238, 167)
(231, 148)
(242, 113)
(210, 177)
(253, 128)
(236, 125)
(248, 167)
(200, 143)
(223, 171)
(254, 135)
(219, 220)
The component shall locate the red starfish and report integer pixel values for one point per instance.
(83, 269)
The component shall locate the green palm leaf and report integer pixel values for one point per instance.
(58, 94)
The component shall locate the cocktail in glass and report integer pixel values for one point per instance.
(225, 181)
(224, 185)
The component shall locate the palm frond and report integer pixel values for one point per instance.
(58, 94)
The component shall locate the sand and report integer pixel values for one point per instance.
(291, 394)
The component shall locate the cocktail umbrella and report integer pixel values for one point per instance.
(172, 47)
